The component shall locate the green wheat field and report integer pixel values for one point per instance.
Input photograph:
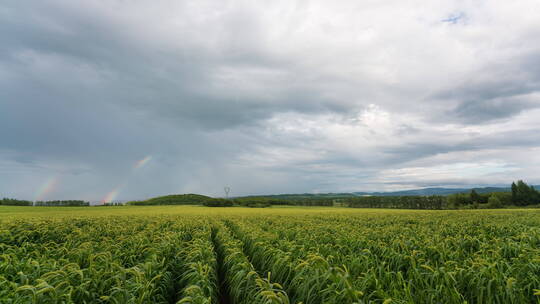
(193, 254)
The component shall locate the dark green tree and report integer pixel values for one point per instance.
(526, 195)
(514, 192)
(494, 201)
(475, 198)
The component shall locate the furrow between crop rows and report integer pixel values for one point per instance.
(224, 296)
(245, 285)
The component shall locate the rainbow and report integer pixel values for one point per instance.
(142, 162)
(46, 188)
(111, 195)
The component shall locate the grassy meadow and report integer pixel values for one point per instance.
(195, 254)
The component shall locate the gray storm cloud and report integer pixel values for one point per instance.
(305, 96)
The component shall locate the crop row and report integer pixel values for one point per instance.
(101, 261)
(309, 277)
(245, 284)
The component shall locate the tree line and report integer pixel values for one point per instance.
(15, 202)
(285, 200)
(56, 203)
(397, 202)
(64, 203)
(521, 195)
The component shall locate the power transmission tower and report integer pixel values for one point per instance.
(227, 190)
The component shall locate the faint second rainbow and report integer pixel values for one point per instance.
(46, 188)
(142, 162)
(111, 196)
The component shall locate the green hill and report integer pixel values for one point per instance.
(174, 199)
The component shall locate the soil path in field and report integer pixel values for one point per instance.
(262, 272)
(224, 297)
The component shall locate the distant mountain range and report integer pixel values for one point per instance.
(422, 191)
(436, 191)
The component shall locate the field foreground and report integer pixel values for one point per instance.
(184, 254)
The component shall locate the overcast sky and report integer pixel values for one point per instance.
(133, 99)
